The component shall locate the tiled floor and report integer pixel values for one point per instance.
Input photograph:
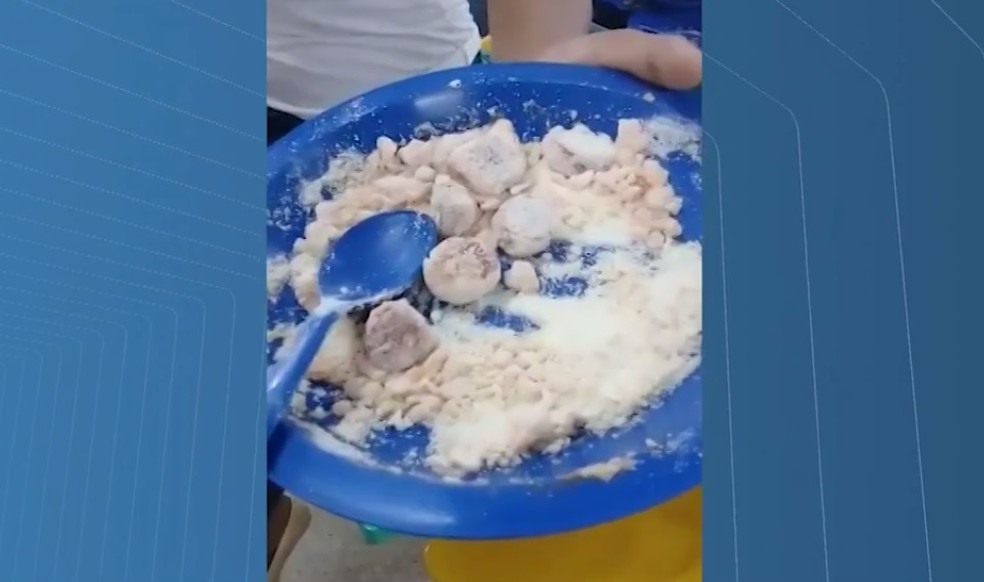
(332, 550)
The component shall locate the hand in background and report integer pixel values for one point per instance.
(669, 61)
(557, 31)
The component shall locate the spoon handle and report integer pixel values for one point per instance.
(284, 377)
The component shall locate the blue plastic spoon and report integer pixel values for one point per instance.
(376, 259)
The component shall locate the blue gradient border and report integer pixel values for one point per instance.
(842, 295)
(840, 412)
(132, 148)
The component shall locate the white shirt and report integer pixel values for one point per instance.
(322, 52)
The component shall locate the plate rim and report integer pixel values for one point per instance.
(502, 511)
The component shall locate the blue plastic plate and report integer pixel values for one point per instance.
(534, 498)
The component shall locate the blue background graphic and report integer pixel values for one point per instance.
(842, 291)
(131, 298)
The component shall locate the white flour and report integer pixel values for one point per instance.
(674, 135)
(490, 396)
(278, 272)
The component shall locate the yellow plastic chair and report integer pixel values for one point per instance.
(662, 544)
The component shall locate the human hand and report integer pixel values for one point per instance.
(666, 60)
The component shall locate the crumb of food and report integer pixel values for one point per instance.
(425, 174)
(337, 359)
(521, 277)
(279, 332)
(576, 150)
(605, 471)
(416, 154)
(453, 206)
(492, 162)
(277, 274)
(522, 225)
(491, 396)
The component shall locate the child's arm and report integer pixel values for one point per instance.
(522, 30)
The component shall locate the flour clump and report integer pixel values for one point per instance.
(522, 226)
(453, 206)
(521, 277)
(492, 162)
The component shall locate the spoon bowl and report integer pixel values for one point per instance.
(378, 258)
